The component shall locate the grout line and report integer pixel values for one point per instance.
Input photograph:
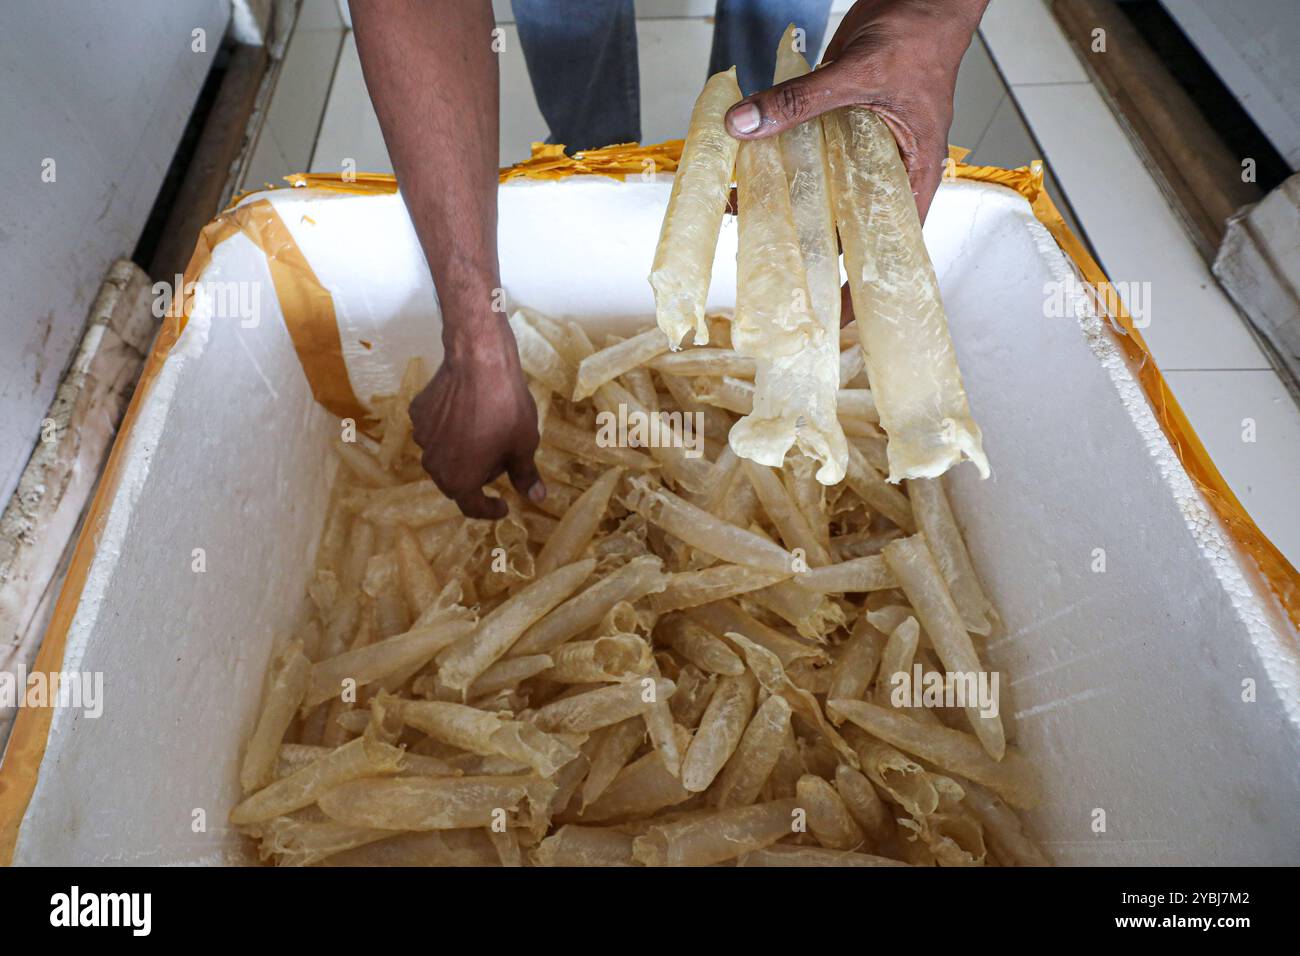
(1265, 369)
(1260, 341)
(989, 125)
(1075, 221)
(1071, 215)
(329, 96)
(1056, 83)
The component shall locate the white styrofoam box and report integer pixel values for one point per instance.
(1126, 684)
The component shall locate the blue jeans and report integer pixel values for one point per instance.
(582, 58)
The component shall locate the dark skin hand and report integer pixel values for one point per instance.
(475, 421)
(432, 74)
(896, 57)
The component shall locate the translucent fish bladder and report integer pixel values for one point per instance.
(774, 322)
(794, 388)
(683, 263)
(910, 358)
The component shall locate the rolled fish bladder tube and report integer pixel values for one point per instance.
(910, 358)
(683, 263)
(775, 325)
(795, 394)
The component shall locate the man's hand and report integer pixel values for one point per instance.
(476, 420)
(431, 70)
(897, 57)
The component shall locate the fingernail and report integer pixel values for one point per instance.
(745, 119)
(537, 492)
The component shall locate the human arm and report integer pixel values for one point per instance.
(432, 75)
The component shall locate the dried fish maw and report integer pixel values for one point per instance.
(434, 803)
(829, 818)
(773, 311)
(483, 733)
(720, 730)
(795, 395)
(683, 263)
(910, 357)
(715, 837)
(573, 845)
(742, 779)
(767, 667)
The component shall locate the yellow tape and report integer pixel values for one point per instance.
(309, 315)
(308, 310)
(307, 306)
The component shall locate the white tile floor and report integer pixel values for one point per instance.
(1209, 355)
(293, 120)
(1027, 45)
(1248, 422)
(1137, 236)
(1021, 95)
(349, 131)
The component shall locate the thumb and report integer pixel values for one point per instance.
(524, 476)
(790, 103)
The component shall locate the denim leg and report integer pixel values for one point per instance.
(746, 33)
(581, 57)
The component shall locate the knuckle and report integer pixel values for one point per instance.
(792, 101)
